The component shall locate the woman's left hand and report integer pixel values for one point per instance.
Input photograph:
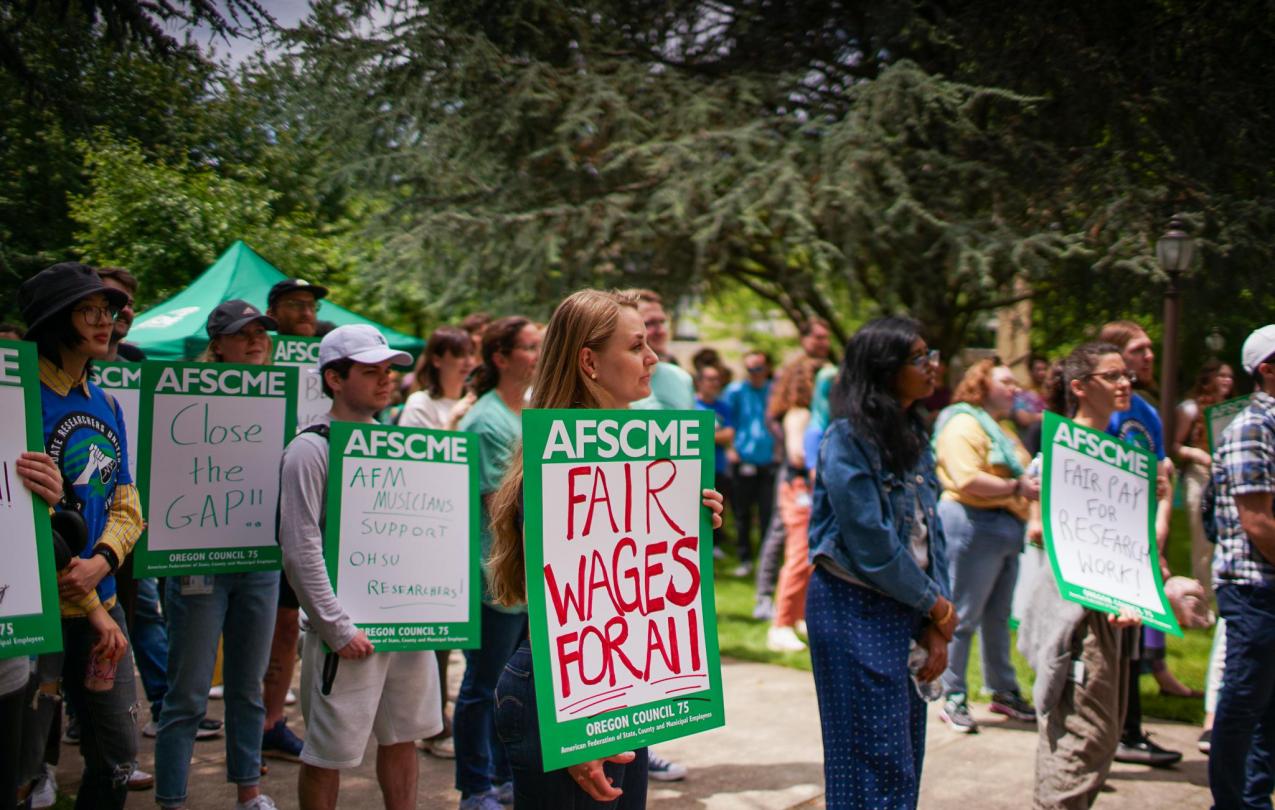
(1128, 618)
(593, 780)
(713, 500)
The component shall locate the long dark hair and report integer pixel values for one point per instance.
(56, 333)
(1082, 360)
(445, 340)
(864, 391)
(500, 337)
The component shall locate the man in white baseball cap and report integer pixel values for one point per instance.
(353, 691)
(1240, 768)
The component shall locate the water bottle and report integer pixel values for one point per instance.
(929, 691)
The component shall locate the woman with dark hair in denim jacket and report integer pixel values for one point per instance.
(880, 581)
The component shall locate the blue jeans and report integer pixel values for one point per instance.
(150, 644)
(519, 730)
(1242, 757)
(983, 549)
(872, 718)
(481, 763)
(108, 732)
(241, 608)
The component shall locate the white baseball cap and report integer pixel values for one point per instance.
(1257, 347)
(360, 343)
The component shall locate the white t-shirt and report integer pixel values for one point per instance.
(422, 410)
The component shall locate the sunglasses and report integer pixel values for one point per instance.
(930, 358)
(1114, 377)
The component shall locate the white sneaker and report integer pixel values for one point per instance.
(783, 639)
(46, 789)
(664, 770)
(290, 699)
(261, 802)
(217, 692)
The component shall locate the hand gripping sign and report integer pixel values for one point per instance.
(620, 579)
(212, 436)
(1098, 503)
(30, 620)
(402, 534)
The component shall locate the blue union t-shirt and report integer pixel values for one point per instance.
(1139, 426)
(84, 434)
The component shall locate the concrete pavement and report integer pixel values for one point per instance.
(768, 755)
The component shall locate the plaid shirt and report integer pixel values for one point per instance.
(1244, 464)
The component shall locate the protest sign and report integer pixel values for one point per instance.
(620, 579)
(30, 618)
(211, 439)
(1218, 417)
(303, 353)
(1098, 504)
(402, 540)
(123, 381)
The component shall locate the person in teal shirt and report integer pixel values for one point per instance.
(672, 388)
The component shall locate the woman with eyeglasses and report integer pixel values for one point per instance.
(984, 509)
(1080, 718)
(70, 315)
(238, 607)
(880, 581)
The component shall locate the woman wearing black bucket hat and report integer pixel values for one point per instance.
(70, 314)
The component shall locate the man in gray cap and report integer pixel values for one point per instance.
(392, 694)
(1240, 772)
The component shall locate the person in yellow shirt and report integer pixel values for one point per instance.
(984, 510)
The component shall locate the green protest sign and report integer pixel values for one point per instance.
(620, 579)
(303, 353)
(1218, 417)
(211, 437)
(30, 618)
(1098, 503)
(123, 381)
(402, 535)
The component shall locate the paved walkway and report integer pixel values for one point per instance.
(767, 756)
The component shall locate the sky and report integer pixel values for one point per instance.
(286, 12)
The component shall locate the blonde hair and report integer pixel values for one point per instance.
(211, 355)
(585, 319)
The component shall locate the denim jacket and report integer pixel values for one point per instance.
(862, 518)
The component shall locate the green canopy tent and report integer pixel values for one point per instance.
(174, 329)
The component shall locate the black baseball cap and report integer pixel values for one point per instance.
(292, 285)
(230, 317)
(59, 287)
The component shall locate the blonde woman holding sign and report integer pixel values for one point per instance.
(202, 609)
(594, 355)
(1082, 673)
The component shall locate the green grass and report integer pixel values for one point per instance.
(740, 636)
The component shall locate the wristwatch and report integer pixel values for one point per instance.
(108, 554)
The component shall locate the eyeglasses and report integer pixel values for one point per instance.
(528, 347)
(96, 316)
(301, 306)
(755, 369)
(655, 322)
(930, 358)
(1114, 377)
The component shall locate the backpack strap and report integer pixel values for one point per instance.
(319, 428)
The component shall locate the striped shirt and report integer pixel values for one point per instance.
(1244, 464)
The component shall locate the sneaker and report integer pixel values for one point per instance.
(663, 770)
(1141, 751)
(783, 639)
(290, 699)
(505, 793)
(45, 792)
(743, 569)
(208, 728)
(764, 610)
(260, 802)
(1012, 705)
(151, 729)
(72, 734)
(217, 692)
(1205, 743)
(280, 743)
(140, 780)
(481, 801)
(441, 747)
(956, 713)
(800, 627)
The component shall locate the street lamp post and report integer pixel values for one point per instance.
(1174, 250)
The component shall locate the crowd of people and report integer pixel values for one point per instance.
(884, 517)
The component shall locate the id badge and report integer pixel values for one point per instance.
(1078, 672)
(201, 585)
